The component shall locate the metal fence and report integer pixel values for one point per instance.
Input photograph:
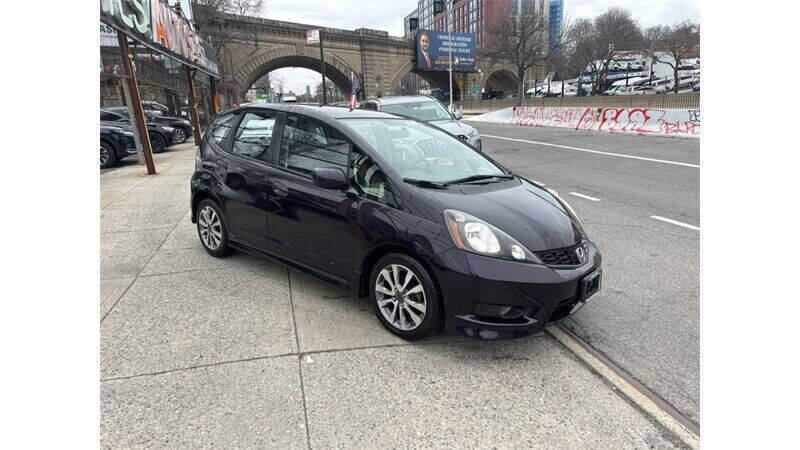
(684, 100)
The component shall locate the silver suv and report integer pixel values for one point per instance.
(427, 109)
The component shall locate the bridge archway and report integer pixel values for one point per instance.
(501, 80)
(336, 70)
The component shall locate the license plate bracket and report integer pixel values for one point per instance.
(590, 285)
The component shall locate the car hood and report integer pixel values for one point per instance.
(168, 119)
(525, 211)
(453, 126)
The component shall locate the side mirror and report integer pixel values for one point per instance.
(330, 178)
(458, 115)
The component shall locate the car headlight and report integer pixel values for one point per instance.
(565, 205)
(169, 129)
(128, 133)
(475, 235)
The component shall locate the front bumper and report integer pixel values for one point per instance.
(491, 298)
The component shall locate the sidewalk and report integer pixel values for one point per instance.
(241, 351)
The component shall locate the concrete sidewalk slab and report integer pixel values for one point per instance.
(125, 254)
(525, 393)
(120, 218)
(254, 404)
(167, 322)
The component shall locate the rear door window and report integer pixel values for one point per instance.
(254, 136)
(307, 144)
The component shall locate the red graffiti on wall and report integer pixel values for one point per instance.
(665, 122)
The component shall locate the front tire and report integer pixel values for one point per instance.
(157, 143)
(405, 297)
(212, 229)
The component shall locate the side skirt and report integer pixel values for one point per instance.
(313, 271)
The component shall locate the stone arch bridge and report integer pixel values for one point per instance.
(253, 46)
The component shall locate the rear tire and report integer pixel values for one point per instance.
(407, 305)
(212, 229)
(157, 142)
(108, 156)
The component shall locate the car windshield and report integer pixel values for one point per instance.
(422, 153)
(426, 110)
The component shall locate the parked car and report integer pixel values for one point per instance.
(116, 142)
(183, 128)
(633, 90)
(427, 109)
(161, 136)
(435, 233)
(289, 99)
(154, 108)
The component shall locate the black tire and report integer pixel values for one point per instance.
(108, 156)
(157, 142)
(431, 322)
(178, 138)
(222, 248)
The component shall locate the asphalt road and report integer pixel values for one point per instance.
(647, 317)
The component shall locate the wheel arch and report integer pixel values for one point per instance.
(199, 196)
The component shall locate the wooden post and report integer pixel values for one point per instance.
(214, 96)
(135, 105)
(192, 105)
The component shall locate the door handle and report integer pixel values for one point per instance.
(280, 189)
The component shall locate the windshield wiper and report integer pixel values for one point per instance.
(479, 177)
(424, 183)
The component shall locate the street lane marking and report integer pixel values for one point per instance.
(675, 222)
(576, 194)
(663, 161)
(635, 391)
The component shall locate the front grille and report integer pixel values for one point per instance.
(561, 257)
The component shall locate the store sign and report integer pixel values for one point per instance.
(156, 25)
(434, 47)
(312, 37)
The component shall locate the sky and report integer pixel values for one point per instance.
(388, 15)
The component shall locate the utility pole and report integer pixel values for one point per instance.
(135, 104)
(322, 69)
(450, 51)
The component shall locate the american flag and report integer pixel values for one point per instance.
(353, 101)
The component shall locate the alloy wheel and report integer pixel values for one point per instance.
(210, 228)
(400, 297)
(180, 135)
(104, 156)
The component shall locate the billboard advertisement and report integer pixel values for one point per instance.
(433, 50)
(162, 28)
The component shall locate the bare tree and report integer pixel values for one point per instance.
(522, 42)
(671, 44)
(220, 35)
(593, 44)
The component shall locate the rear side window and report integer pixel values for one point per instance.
(307, 144)
(222, 127)
(254, 136)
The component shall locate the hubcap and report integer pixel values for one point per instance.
(104, 155)
(180, 135)
(400, 296)
(210, 228)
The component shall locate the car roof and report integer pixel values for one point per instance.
(322, 112)
(397, 99)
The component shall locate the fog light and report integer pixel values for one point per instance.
(517, 252)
